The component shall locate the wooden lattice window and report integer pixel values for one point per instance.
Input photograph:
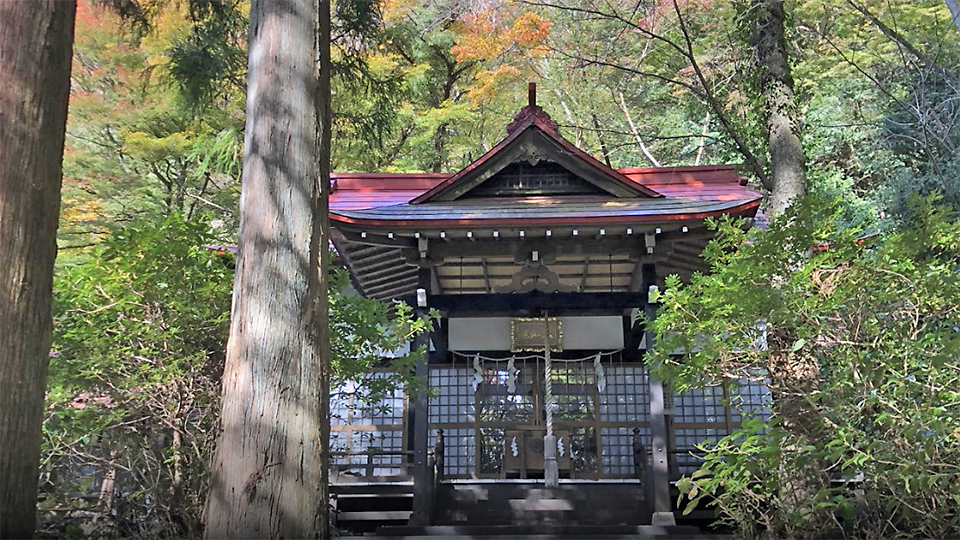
(479, 424)
(706, 414)
(522, 178)
(367, 438)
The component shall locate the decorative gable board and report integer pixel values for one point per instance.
(533, 138)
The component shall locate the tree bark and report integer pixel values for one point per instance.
(324, 114)
(266, 474)
(787, 178)
(36, 48)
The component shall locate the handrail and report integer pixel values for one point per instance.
(368, 468)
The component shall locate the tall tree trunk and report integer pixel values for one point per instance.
(266, 475)
(793, 376)
(36, 47)
(787, 180)
(324, 114)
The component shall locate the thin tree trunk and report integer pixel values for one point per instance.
(636, 134)
(266, 474)
(603, 142)
(793, 376)
(36, 48)
(703, 135)
(783, 130)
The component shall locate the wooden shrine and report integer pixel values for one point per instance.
(540, 259)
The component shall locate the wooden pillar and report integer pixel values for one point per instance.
(422, 490)
(551, 473)
(660, 477)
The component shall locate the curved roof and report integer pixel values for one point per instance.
(686, 193)
(633, 195)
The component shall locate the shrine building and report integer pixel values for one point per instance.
(540, 260)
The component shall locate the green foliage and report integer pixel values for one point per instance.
(907, 184)
(140, 331)
(363, 332)
(211, 60)
(867, 335)
(132, 401)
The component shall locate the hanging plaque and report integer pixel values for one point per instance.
(527, 334)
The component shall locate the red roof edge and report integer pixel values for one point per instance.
(384, 181)
(388, 175)
(693, 175)
(747, 209)
(681, 168)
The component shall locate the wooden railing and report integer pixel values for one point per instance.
(368, 470)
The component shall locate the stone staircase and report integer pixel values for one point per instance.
(530, 503)
(362, 507)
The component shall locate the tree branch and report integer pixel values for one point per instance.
(738, 140)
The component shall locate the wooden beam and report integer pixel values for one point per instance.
(396, 262)
(535, 301)
(389, 254)
(658, 421)
(636, 280)
(375, 515)
(369, 277)
(393, 277)
(375, 239)
(423, 502)
(585, 272)
(394, 285)
(510, 264)
(435, 281)
(554, 246)
(359, 250)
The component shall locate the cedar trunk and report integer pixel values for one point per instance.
(787, 180)
(266, 474)
(36, 46)
(324, 116)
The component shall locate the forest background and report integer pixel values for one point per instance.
(154, 147)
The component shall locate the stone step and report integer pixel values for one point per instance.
(545, 531)
(541, 505)
(377, 488)
(374, 515)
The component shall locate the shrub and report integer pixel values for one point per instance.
(875, 323)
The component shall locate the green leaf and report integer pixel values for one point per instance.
(797, 345)
(846, 510)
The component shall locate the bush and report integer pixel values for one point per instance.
(873, 327)
(133, 386)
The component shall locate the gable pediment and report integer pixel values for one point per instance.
(535, 160)
(533, 178)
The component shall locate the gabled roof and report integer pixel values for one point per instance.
(688, 193)
(592, 194)
(533, 137)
